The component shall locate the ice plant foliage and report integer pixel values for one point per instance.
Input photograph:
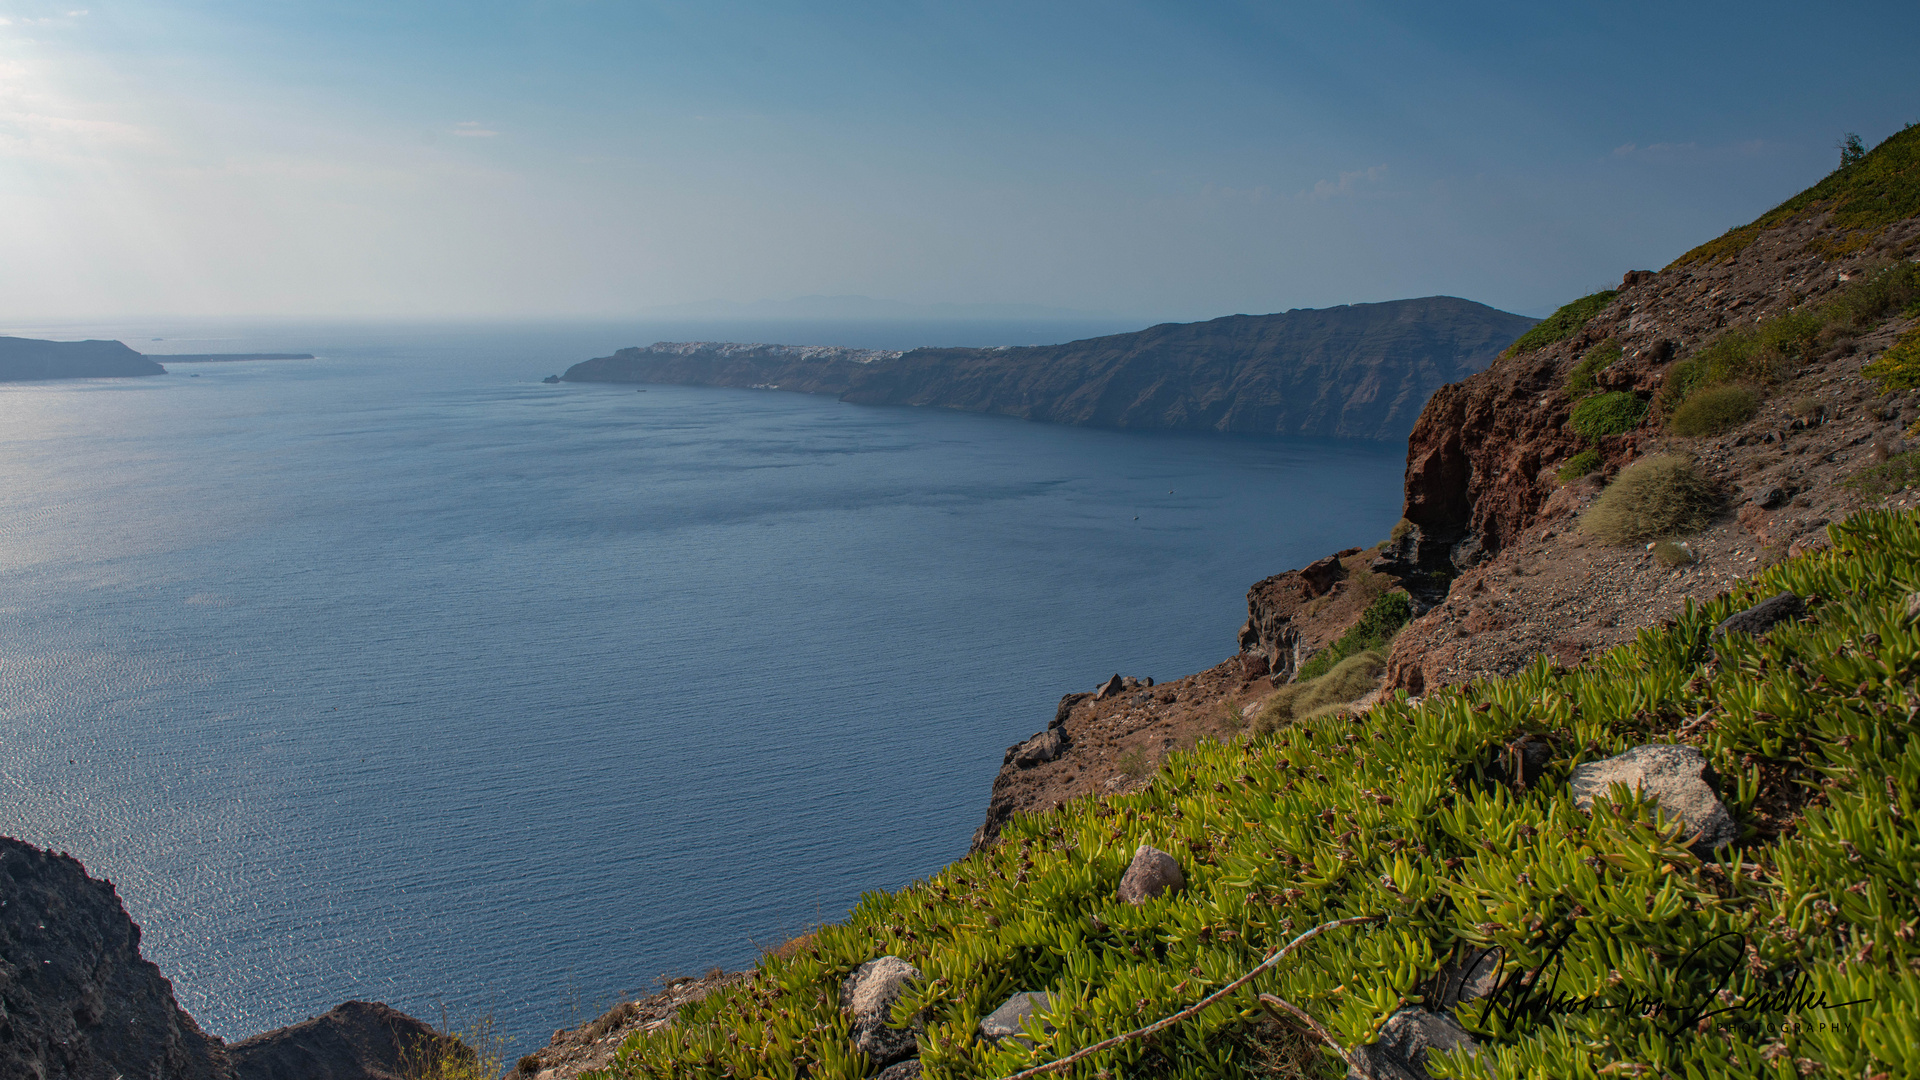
(1791, 953)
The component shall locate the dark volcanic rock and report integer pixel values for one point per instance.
(1361, 371)
(79, 1001)
(1400, 1051)
(1761, 617)
(30, 358)
(359, 1040)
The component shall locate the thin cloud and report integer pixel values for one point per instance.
(473, 129)
(1676, 151)
(1348, 183)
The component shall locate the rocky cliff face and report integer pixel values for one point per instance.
(1357, 372)
(30, 358)
(1361, 371)
(79, 1000)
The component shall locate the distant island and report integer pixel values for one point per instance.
(22, 359)
(1360, 371)
(224, 357)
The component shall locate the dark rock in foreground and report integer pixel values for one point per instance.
(29, 358)
(360, 1040)
(79, 1001)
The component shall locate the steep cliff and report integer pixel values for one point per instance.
(30, 358)
(1361, 371)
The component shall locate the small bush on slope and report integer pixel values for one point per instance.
(1652, 498)
(1582, 380)
(1382, 619)
(1579, 465)
(1607, 414)
(1899, 367)
(1406, 815)
(1714, 409)
(1350, 680)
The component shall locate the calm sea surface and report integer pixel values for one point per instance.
(397, 674)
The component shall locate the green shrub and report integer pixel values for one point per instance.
(1563, 323)
(1899, 367)
(1806, 407)
(1714, 409)
(1862, 198)
(1651, 499)
(1382, 619)
(1579, 465)
(1349, 680)
(1879, 481)
(1607, 414)
(1412, 817)
(1581, 380)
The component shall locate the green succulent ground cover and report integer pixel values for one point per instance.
(1865, 197)
(1409, 814)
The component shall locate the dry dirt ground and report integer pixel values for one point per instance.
(592, 1045)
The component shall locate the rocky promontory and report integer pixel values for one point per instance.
(22, 359)
(1360, 371)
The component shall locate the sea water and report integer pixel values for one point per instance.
(397, 674)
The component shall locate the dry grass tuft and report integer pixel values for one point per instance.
(1652, 499)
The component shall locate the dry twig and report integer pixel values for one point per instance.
(1167, 1022)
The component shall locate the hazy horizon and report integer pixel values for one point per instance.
(1148, 162)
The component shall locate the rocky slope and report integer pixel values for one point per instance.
(30, 358)
(78, 1002)
(1361, 371)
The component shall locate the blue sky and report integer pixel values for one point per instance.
(1150, 160)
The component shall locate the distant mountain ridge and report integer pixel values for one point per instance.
(1360, 371)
